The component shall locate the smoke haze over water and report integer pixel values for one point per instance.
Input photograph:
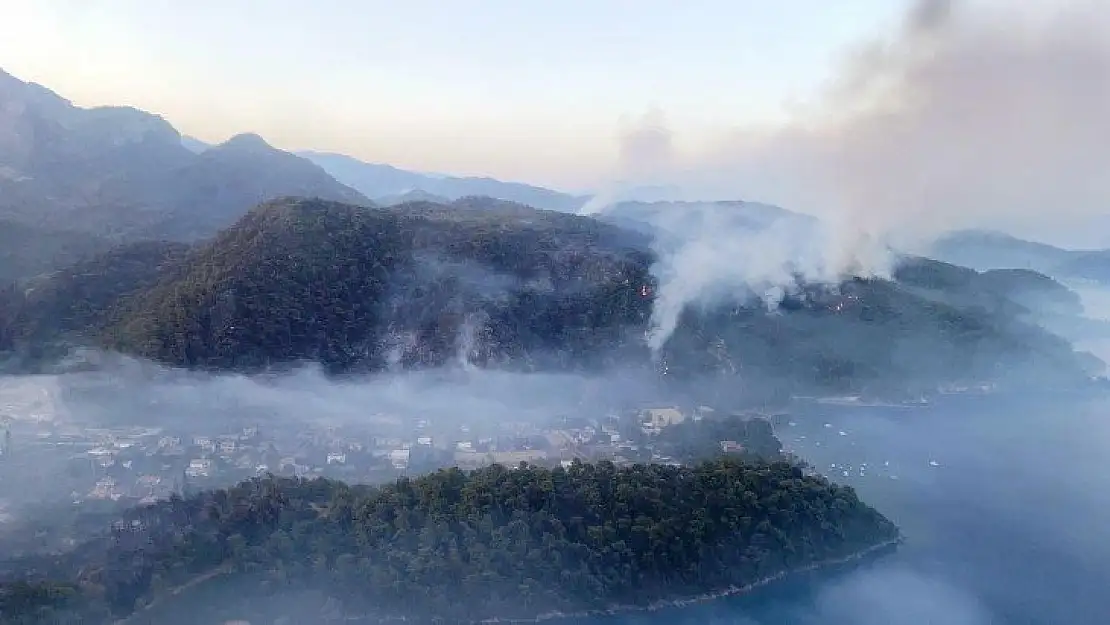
(1009, 527)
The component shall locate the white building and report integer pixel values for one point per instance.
(200, 467)
(659, 418)
(399, 458)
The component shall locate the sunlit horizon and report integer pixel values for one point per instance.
(480, 88)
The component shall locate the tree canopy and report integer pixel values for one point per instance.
(496, 542)
(501, 284)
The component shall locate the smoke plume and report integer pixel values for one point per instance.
(966, 116)
(710, 253)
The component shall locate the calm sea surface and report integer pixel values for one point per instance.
(1005, 503)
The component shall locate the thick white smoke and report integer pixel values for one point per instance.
(967, 116)
(710, 253)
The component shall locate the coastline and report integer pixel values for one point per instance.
(612, 610)
(663, 604)
(731, 591)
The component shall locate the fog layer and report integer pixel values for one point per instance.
(1003, 500)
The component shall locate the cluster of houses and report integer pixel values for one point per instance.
(151, 463)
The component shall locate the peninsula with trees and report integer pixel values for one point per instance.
(520, 543)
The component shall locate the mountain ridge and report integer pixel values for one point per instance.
(280, 268)
(496, 284)
(123, 173)
(987, 249)
(383, 181)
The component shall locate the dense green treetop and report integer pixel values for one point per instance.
(462, 546)
(421, 284)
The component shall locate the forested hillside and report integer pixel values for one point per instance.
(353, 288)
(496, 542)
(27, 251)
(85, 295)
(493, 283)
(1014, 292)
(995, 250)
(292, 280)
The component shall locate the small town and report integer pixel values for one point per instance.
(143, 464)
(46, 456)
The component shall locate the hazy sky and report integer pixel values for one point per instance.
(912, 115)
(532, 89)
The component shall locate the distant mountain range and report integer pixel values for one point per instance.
(382, 182)
(123, 173)
(387, 185)
(105, 175)
(657, 217)
(118, 232)
(984, 249)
